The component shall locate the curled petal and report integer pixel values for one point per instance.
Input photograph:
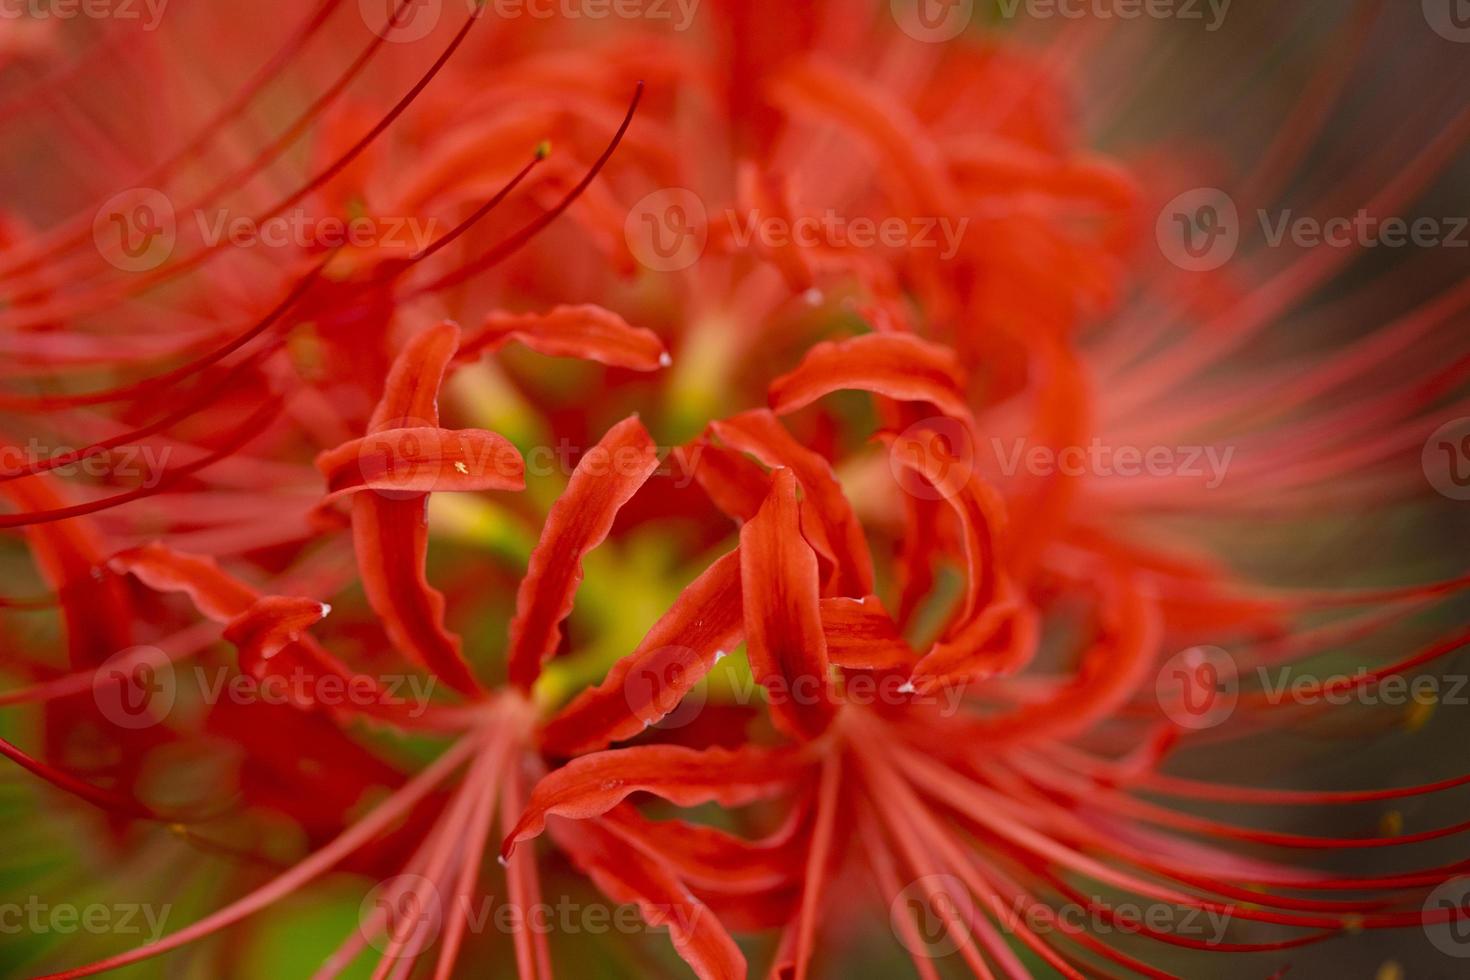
(593, 784)
(422, 460)
(713, 859)
(768, 195)
(643, 687)
(1112, 668)
(762, 435)
(895, 365)
(589, 332)
(783, 621)
(217, 595)
(861, 635)
(970, 648)
(732, 482)
(269, 631)
(411, 393)
(605, 479)
(273, 643)
(1001, 640)
(271, 625)
(737, 486)
(391, 537)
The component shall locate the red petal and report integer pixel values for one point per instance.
(217, 595)
(627, 875)
(605, 479)
(762, 435)
(392, 542)
(391, 537)
(1112, 669)
(588, 332)
(783, 621)
(422, 460)
(767, 197)
(593, 784)
(643, 687)
(861, 635)
(268, 631)
(970, 648)
(710, 858)
(733, 483)
(738, 487)
(271, 637)
(411, 393)
(899, 366)
(270, 626)
(1001, 640)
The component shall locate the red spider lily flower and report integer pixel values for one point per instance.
(981, 649)
(995, 811)
(496, 730)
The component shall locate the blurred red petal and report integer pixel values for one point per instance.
(589, 332)
(898, 366)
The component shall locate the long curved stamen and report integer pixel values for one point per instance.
(101, 298)
(252, 427)
(513, 244)
(388, 812)
(74, 231)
